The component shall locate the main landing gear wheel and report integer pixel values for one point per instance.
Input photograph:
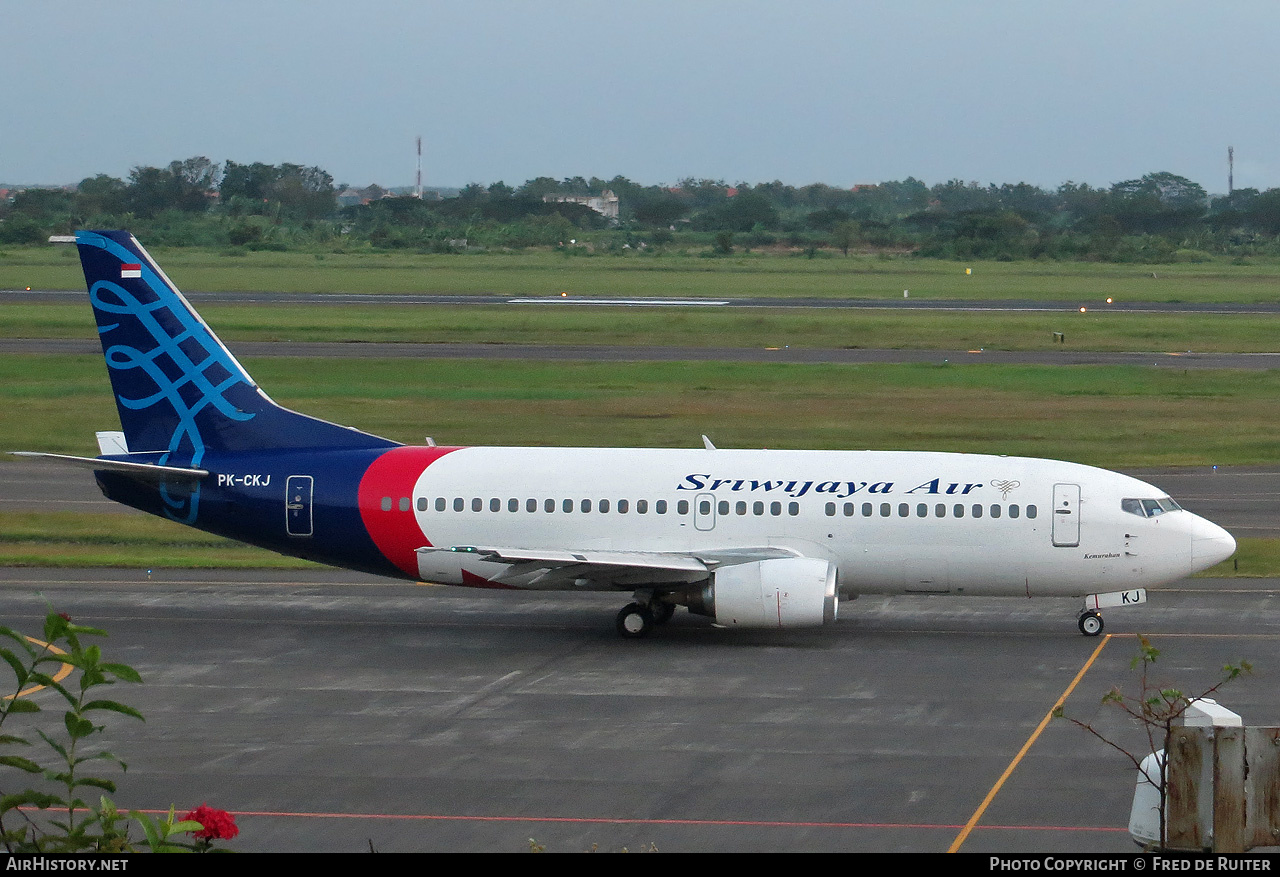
(635, 621)
(661, 611)
(1090, 624)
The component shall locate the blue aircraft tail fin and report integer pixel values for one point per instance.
(179, 390)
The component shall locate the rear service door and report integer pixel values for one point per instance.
(297, 505)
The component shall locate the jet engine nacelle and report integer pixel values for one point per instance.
(783, 592)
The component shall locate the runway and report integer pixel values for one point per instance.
(605, 299)
(338, 713)
(624, 353)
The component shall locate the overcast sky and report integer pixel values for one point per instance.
(800, 91)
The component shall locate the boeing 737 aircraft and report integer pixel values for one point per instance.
(748, 538)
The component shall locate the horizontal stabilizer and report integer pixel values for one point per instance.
(142, 471)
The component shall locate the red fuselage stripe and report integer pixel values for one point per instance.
(392, 476)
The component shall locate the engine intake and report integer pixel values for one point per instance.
(782, 592)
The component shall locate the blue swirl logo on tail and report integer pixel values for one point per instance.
(165, 362)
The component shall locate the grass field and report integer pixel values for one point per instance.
(1119, 417)
(74, 539)
(541, 273)
(1095, 330)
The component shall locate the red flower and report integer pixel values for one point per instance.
(64, 616)
(215, 824)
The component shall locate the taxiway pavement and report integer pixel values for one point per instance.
(338, 713)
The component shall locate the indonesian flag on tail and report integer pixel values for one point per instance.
(127, 271)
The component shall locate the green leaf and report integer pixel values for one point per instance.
(59, 658)
(96, 782)
(55, 627)
(77, 727)
(122, 671)
(148, 828)
(30, 798)
(20, 670)
(18, 638)
(57, 747)
(113, 706)
(11, 740)
(21, 763)
(18, 705)
(158, 832)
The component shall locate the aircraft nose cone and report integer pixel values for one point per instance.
(1210, 544)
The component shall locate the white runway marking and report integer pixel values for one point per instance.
(619, 302)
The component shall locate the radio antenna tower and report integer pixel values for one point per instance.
(1231, 170)
(417, 189)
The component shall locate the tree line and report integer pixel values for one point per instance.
(1158, 217)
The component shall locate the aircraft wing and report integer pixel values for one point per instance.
(552, 566)
(143, 471)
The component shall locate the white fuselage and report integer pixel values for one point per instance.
(891, 522)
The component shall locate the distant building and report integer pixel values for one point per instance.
(606, 203)
(351, 196)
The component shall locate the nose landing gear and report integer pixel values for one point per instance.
(1090, 623)
(1090, 619)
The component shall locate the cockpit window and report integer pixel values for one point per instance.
(1149, 508)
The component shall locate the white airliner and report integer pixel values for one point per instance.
(748, 538)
